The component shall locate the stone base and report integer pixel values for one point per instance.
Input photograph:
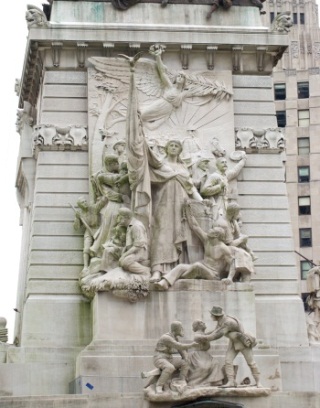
(189, 300)
(191, 394)
(125, 335)
(278, 400)
(98, 372)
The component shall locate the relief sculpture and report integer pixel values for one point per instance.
(197, 372)
(161, 179)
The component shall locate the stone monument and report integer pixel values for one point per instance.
(152, 191)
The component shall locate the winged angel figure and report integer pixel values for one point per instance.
(165, 90)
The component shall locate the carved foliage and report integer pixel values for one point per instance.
(262, 139)
(50, 136)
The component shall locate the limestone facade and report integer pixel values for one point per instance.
(68, 343)
(299, 68)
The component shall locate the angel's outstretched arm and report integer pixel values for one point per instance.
(161, 68)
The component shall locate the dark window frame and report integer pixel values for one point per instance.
(281, 119)
(280, 91)
(305, 242)
(303, 90)
(304, 209)
(303, 178)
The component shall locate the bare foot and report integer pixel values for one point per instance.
(156, 277)
(162, 285)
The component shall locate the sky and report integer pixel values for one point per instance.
(13, 34)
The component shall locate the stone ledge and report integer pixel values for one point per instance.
(191, 394)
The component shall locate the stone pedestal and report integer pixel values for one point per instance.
(125, 335)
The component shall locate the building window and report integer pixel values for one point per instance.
(271, 17)
(303, 90)
(303, 146)
(279, 92)
(304, 205)
(303, 118)
(305, 267)
(281, 118)
(305, 237)
(295, 18)
(301, 18)
(304, 174)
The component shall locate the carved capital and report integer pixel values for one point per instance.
(261, 53)
(251, 140)
(51, 137)
(56, 51)
(211, 50)
(108, 48)
(237, 58)
(184, 55)
(81, 53)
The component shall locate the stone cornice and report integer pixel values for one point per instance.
(32, 72)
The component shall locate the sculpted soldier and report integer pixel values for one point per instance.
(163, 357)
(216, 186)
(135, 254)
(218, 262)
(88, 216)
(239, 341)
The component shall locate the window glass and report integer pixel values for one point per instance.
(281, 118)
(305, 267)
(304, 174)
(303, 118)
(301, 18)
(279, 91)
(295, 18)
(303, 146)
(305, 237)
(303, 90)
(304, 205)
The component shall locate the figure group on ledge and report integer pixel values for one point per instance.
(197, 368)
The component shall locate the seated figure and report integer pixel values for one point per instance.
(218, 262)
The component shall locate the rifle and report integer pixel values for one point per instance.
(84, 222)
(308, 260)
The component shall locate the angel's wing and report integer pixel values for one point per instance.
(147, 78)
(117, 69)
(200, 85)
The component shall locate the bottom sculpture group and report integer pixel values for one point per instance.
(182, 373)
